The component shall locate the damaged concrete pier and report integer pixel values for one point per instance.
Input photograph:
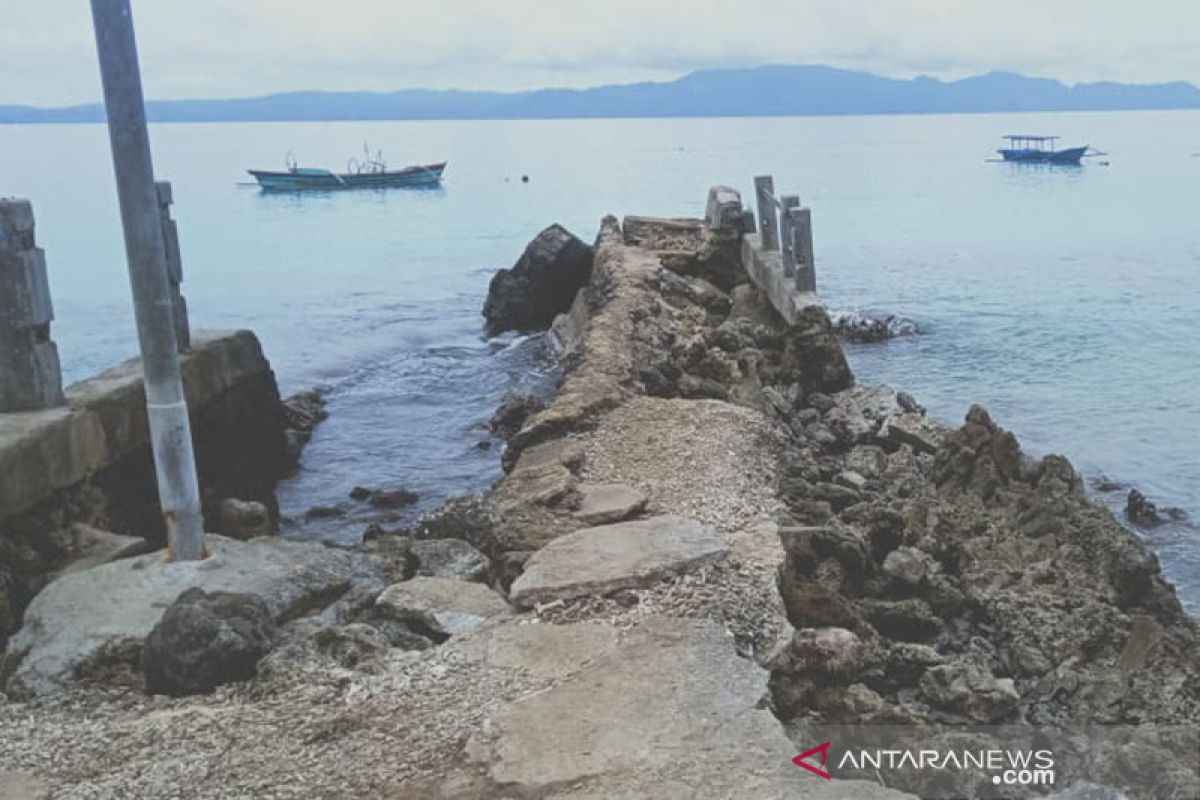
(711, 543)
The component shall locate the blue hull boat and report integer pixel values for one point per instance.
(369, 173)
(1040, 150)
(423, 175)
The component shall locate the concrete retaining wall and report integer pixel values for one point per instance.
(89, 461)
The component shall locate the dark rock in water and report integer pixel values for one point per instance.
(206, 640)
(1141, 511)
(392, 498)
(541, 285)
(513, 411)
(360, 493)
(866, 328)
(302, 412)
(324, 512)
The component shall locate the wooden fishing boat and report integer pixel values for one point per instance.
(370, 173)
(1040, 150)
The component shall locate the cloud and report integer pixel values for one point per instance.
(243, 47)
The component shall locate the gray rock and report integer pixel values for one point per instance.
(969, 689)
(909, 566)
(914, 430)
(542, 284)
(604, 559)
(513, 411)
(207, 640)
(450, 558)
(826, 651)
(442, 606)
(602, 503)
(244, 519)
(78, 614)
(671, 709)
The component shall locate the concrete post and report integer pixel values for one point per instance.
(787, 242)
(30, 377)
(170, 234)
(166, 406)
(764, 194)
(806, 272)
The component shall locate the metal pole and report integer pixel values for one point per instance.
(166, 406)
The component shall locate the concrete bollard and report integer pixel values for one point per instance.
(30, 375)
(724, 209)
(787, 241)
(802, 236)
(764, 194)
(170, 236)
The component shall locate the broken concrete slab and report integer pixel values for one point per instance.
(672, 712)
(603, 503)
(542, 649)
(607, 558)
(78, 614)
(443, 606)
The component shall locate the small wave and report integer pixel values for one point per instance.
(870, 326)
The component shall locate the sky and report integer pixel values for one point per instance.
(238, 48)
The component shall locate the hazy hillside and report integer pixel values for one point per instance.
(758, 91)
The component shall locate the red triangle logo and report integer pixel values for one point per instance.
(823, 749)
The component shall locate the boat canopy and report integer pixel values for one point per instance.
(1028, 142)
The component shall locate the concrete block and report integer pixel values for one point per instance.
(724, 209)
(765, 269)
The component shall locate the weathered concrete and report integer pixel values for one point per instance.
(77, 616)
(30, 377)
(443, 606)
(608, 558)
(765, 269)
(89, 461)
(671, 713)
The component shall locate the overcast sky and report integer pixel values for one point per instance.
(229, 48)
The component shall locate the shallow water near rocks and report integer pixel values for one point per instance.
(1064, 300)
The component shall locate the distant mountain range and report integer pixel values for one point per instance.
(757, 91)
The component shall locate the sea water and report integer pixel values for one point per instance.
(1064, 300)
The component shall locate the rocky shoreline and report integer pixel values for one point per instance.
(709, 540)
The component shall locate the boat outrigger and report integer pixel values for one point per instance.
(1041, 150)
(370, 173)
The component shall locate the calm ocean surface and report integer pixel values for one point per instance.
(1066, 301)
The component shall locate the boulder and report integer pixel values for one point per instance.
(302, 412)
(909, 566)
(602, 503)
(1141, 511)
(392, 498)
(971, 690)
(607, 558)
(244, 519)
(826, 651)
(542, 284)
(207, 640)
(513, 411)
(449, 558)
(914, 430)
(80, 614)
(442, 607)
